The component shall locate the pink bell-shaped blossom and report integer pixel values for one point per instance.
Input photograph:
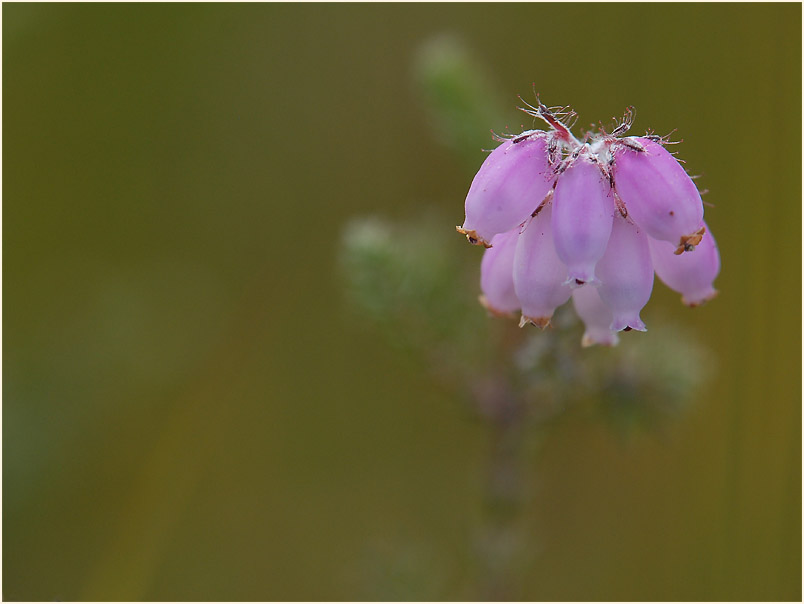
(591, 219)
(583, 208)
(539, 274)
(626, 274)
(510, 185)
(497, 275)
(660, 196)
(689, 274)
(596, 316)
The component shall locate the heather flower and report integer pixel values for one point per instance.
(539, 275)
(691, 275)
(509, 185)
(597, 317)
(626, 274)
(591, 220)
(583, 208)
(497, 275)
(659, 194)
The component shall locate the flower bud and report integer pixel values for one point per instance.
(689, 274)
(497, 275)
(583, 208)
(539, 274)
(626, 274)
(508, 188)
(596, 316)
(660, 196)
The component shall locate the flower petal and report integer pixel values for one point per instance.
(497, 274)
(596, 316)
(509, 186)
(583, 208)
(659, 195)
(539, 275)
(689, 274)
(626, 274)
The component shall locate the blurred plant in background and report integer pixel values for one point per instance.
(416, 285)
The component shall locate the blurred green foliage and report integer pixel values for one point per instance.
(420, 292)
(462, 98)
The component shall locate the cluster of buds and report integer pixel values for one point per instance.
(590, 220)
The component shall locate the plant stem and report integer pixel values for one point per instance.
(501, 539)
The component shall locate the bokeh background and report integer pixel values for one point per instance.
(190, 410)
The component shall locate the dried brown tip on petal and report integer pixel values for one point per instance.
(540, 322)
(711, 296)
(688, 242)
(473, 237)
(494, 311)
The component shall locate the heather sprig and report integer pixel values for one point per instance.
(589, 219)
(559, 218)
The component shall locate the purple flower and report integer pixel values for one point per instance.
(497, 275)
(583, 208)
(590, 220)
(539, 275)
(659, 194)
(597, 317)
(691, 275)
(510, 185)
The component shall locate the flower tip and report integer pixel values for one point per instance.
(589, 340)
(473, 237)
(688, 242)
(627, 324)
(576, 282)
(494, 312)
(540, 322)
(700, 300)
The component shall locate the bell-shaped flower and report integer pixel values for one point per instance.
(660, 196)
(508, 188)
(626, 274)
(689, 274)
(596, 317)
(539, 274)
(591, 219)
(497, 275)
(583, 208)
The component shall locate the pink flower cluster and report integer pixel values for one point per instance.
(590, 220)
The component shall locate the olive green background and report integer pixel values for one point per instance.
(191, 412)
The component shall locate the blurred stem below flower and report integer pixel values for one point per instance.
(499, 540)
(413, 282)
